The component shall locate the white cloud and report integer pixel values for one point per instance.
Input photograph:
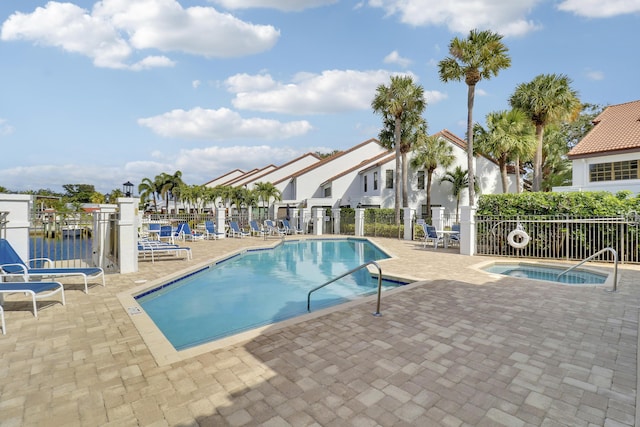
(5, 128)
(600, 9)
(395, 58)
(118, 30)
(196, 84)
(332, 91)
(595, 75)
(221, 124)
(507, 17)
(283, 5)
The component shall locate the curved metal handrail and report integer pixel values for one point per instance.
(377, 313)
(615, 265)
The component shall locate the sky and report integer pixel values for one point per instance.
(104, 92)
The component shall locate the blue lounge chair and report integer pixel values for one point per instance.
(11, 265)
(236, 231)
(272, 229)
(430, 234)
(185, 233)
(255, 229)
(288, 228)
(211, 231)
(455, 235)
(36, 290)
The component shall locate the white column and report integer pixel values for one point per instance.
(437, 217)
(19, 208)
(317, 216)
(467, 230)
(335, 212)
(128, 234)
(359, 222)
(220, 220)
(408, 223)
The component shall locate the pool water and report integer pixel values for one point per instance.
(548, 273)
(260, 287)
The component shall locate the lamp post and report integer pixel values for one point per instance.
(127, 189)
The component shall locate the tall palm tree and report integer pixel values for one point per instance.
(547, 99)
(400, 101)
(508, 134)
(429, 153)
(266, 191)
(148, 190)
(459, 180)
(480, 56)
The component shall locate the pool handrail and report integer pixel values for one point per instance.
(377, 313)
(615, 265)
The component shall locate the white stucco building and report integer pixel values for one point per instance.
(607, 158)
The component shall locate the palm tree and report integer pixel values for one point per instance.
(479, 56)
(508, 135)
(265, 191)
(459, 180)
(401, 100)
(547, 99)
(429, 153)
(148, 190)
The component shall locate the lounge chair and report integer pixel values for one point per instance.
(272, 229)
(255, 229)
(236, 231)
(185, 233)
(36, 290)
(430, 234)
(11, 265)
(289, 229)
(155, 249)
(211, 231)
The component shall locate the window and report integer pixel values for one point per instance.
(327, 192)
(420, 180)
(615, 171)
(389, 179)
(375, 180)
(365, 183)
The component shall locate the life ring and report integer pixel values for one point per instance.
(523, 238)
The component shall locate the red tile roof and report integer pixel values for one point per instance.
(617, 129)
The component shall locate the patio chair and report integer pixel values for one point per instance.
(185, 233)
(455, 235)
(167, 234)
(11, 265)
(210, 230)
(272, 229)
(37, 290)
(289, 229)
(430, 234)
(236, 231)
(255, 229)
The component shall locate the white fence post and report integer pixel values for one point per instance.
(18, 207)
(335, 212)
(468, 230)
(359, 231)
(317, 216)
(128, 234)
(408, 223)
(220, 220)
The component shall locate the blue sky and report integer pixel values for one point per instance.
(102, 92)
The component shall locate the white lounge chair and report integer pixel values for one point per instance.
(36, 290)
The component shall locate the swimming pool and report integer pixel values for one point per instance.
(547, 272)
(260, 287)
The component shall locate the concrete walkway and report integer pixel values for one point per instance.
(461, 348)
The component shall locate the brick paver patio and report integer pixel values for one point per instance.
(460, 348)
